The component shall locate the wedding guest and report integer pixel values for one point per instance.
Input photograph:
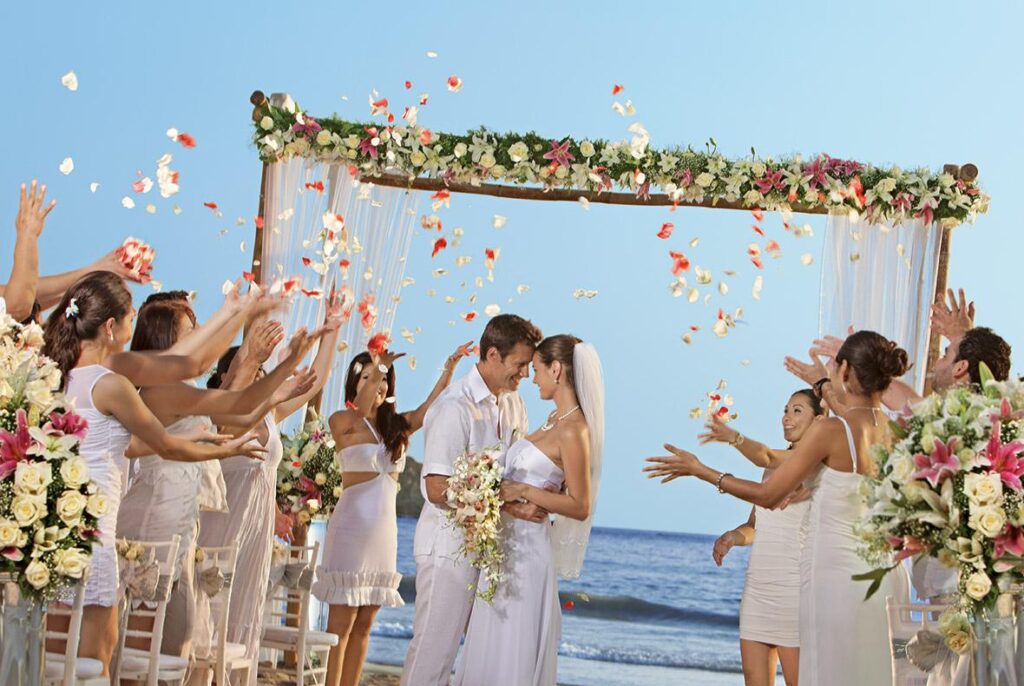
(843, 638)
(85, 337)
(770, 610)
(253, 515)
(359, 574)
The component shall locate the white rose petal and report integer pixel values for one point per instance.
(127, 202)
(67, 166)
(499, 221)
(70, 81)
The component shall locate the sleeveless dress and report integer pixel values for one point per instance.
(770, 609)
(249, 521)
(360, 563)
(513, 641)
(103, 450)
(844, 640)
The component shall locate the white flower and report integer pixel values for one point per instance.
(9, 533)
(32, 478)
(28, 509)
(323, 137)
(983, 490)
(587, 149)
(70, 506)
(50, 446)
(978, 585)
(74, 471)
(417, 158)
(704, 179)
(337, 491)
(266, 123)
(989, 521)
(902, 468)
(97, 505)
(71, 562)
(39, 393)
(37, 574)
(517, 152)
(758, 169)
(959, 642)
(45, 539)
(320, 479)
(460, 149)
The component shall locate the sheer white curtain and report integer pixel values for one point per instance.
(881, 277)
(379, 223)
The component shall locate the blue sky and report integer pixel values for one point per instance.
(920, 83)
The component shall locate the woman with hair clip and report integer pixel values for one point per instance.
(514, 639)
(85, 337)
(164, 496)
(253, 516)
(770, 610)
(844, 639)
(359, 573)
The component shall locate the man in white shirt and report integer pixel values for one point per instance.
(480, 410)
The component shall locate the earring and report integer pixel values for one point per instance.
(111, 334)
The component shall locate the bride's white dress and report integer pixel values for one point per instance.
(844, 640)
(514, 640)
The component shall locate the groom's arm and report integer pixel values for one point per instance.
(445, 437)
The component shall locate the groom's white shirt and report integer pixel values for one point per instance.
(465, 417)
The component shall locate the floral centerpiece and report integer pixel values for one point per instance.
(48, 505)
(308, 478)
(950, 488)
(473, 496)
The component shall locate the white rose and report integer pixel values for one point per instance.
(323, 137)
(460, 149)
(32, 477)
(313, 505)
(587, 149)
(74, 471)
(9, 533)
(71, 562)
(70, 506)
(978, 585)
(752, 197)
(487, 160)
(902, 468)
(320, 479)
(704, 179)
(758, 169)
(989, 521)
(561, 172)
(337, 491)
(286, 487)
(517, 152)
(37, 574)
(46, 539)
(417, 158)
(983, 490)
(28, 509)
(39, 393)
(959, 642)
(304, 517)
(498, 171)
(97, 505)
(266, 123)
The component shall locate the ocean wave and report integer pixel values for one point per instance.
(630, 609)
(646, 657)
(392, 629)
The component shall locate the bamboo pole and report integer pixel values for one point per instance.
(941, 282)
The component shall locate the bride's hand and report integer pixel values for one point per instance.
(717, 431)
(670, 467)
(513, 491)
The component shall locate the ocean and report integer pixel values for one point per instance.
(650, 608)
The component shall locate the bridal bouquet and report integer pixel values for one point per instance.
(473, 496)
(136, 256)
(48, 505)
(308, 478)
(950, 488)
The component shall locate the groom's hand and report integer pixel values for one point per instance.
(527, 511)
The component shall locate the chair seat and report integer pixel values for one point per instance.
(135, 661)
(85, 667)
(289, 636)
(233, 652)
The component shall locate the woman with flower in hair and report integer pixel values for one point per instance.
(359, 572)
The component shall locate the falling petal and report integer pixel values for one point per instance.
(806, 259)
(580, 293)
(227, 287)
(499, 221)
(492, 310)
(431, 54)
(70, 81)
(127, 202)
(693, 296)
(723, 288)
(695, 242)
(67, 166)
(687, 338)
(93, 186)
(758, 284)
(584, 203)
(522, 288)
(151, 208)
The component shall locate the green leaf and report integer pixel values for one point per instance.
(985, 373)
(875, 576)
(898, 431)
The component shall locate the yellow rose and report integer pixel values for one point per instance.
(71, 562)
(70, 506)
(75, 472)
(28, 509)
(32, 477)
(498, 171)
(97, 505)
(37, 574)
(9, 533)
(303, 517)
(758, 169)
(313, 505)
(323, 137)
(978, 585)
(989, 521)
(902, 468)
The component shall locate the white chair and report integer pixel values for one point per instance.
(905, 620)
(294, 592)
(67, 668)
(225, 657)
(148, 665)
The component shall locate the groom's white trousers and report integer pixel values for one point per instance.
(445, 589)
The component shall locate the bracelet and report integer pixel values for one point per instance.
(718, 483)
(820, 384)
(738, 441)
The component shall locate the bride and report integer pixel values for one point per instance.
(514, 640)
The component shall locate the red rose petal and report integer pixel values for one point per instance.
(666, 230)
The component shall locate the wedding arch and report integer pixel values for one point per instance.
(342, 192)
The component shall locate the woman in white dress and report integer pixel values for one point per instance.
(85, 336)
(513, 641)
(844, 639)
(359, 573)
(770, 609)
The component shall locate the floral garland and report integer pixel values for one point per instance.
(49, 507)
(686, 175)
(308, 478)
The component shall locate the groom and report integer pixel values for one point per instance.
(480, 410)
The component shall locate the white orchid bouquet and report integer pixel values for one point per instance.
(49, 507)
(950, 488)
(308, 478)
(473, 495)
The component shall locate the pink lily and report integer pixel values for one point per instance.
(940, 464)
(367, 146)
(686, 180)
(769, 181)
(1003, 457)
(559, 153)
(1011, 541)
(308, 127)
(926, 214)
(12, 554)
(1007, 413)
(903, 201)
(911, 547)
(815, 172)
(14, 446)
(67, 423)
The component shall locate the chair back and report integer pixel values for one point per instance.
(289, 595)
(905, 620)
(70, 630)
(215, 570)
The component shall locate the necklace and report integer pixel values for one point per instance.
(873, 411)
(548, 426)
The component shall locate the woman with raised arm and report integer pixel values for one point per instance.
(770, 610)
(359, 573)
(844, 640)
(514, 639)
(90, 327)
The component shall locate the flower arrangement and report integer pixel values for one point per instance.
(686, 175)
(308, 478)
(950, 488)
(48, 505)
(137, 257)
(473, 496)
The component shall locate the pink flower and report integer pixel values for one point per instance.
(67, 423)
(366, 146)
(910, 547)
(14, 446)
(559, 153)
(941, 463)
(926, 214)
(686, 178)
(770, 180)
(1003, 458)
(903, 201)
(1012, 541)
(308, 127)
(1007, 413)
(12, 554)
(815, 172)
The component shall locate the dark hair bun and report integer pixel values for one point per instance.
(892, 360)
(874, 359)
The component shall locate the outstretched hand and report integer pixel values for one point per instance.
(111, 262)
(717, 432)
(296, 386)
(246, 445)
(32, 211)
(386, 358)
(808, 372)
(263, 338)
(670, 467)
(955, 318)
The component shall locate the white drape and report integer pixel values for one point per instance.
(881, 277)
(379, 221)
